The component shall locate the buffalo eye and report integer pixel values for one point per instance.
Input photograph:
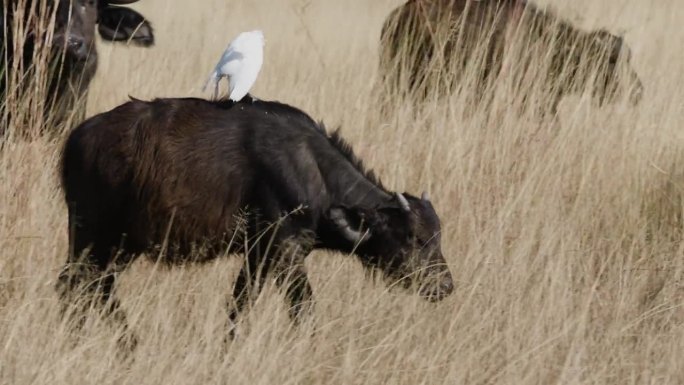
(411, 238)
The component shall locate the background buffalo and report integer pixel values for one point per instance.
(49, 53)
(426, 45)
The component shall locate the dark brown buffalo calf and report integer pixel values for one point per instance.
(184, 171)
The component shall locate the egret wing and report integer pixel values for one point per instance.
(230, 63)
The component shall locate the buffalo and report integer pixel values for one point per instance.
(424, 37)
(209, 178)
(70, 49)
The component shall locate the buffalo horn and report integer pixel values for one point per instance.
(425, 196)
(403, 202)
(340, 220)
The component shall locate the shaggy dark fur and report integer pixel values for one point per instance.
(183, 170)
(345, 149)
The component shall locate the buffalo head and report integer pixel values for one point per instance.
(615, 68)
(76, 20)
(402, 239)
(75, 27)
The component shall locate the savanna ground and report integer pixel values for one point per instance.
(565, 246)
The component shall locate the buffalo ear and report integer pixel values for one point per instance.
(349, 223)
(124, 24)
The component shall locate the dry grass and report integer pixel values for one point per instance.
(565, 241)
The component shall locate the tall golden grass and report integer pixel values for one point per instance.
(564, 237)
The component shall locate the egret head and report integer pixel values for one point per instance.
(258, 36)
(249, 39)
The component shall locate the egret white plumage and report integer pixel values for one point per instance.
(240, 63)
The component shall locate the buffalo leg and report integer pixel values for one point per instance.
(89, 277)
(282, 255)
(291, 275)
(251, 278)
(248, 284)
(81, 284)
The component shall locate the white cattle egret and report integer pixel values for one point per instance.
(240, 63)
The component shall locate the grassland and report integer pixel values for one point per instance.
(565, 240)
